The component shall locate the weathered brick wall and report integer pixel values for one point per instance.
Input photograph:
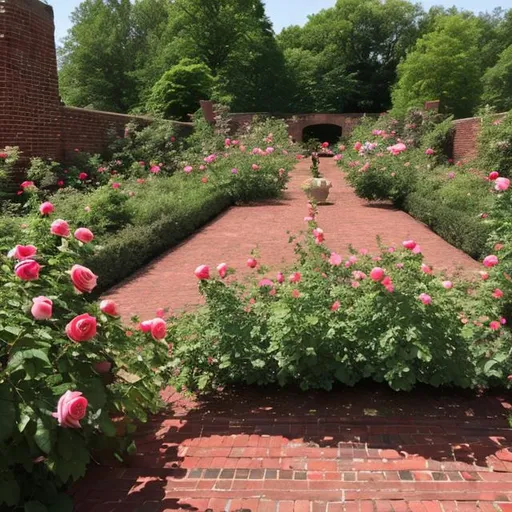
(465, 138)
(32, 115)
(29, 94)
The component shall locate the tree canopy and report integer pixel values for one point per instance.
(357, 56)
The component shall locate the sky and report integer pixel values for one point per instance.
(284, 12)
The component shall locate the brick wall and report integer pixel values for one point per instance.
(31, 113)
(29, 94)
(465, 138)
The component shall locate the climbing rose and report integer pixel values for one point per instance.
(336, 306)
(41, 308)
(202, 272)
(83, 279)
(497, 294)
(81, 328)
(295, 277)
(109, 307)
(335, 259)
(252, 263)
(158, 329)
(46, 208)
(222, 269)
(494, 175)
(490, 261)
(59, 227)
(409, 244)
(27, 270)
(84, 235)
(23, 252)
(377, 274)
(502, 184)
(71, 408)
(425, 298)
(447, 284)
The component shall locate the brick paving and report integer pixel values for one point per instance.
(366, 449)
(169, 281)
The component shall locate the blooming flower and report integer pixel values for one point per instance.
(426, 299)
(41, 308)
(336, 305)
(409, 244)
(59, 227)
(429, 151)
(335, 259)
(295, 277)
(295, 294)
(494, 175)
(490, 261)
(495, 326)
(82, 328)
(116, 185)
(83, 279)
(23, 252)
(265, 282)
(202, 272)
(426, 269)
(188, 169)
(447, 285)
(222, 269)
(27, 270)
(84, 235)
(497, 294)
(158, 329)
(484, 275)
(502, 184)
(155, 169)
(82, 176)
(71, 408)
(27, 184)
(280, 278)
(252, 263)
(377, 274)
(109, 307)
(46, 208)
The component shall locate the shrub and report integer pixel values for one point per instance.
(9, 157)
(495, 143)
(44, 172)
(48, 359)
(333, 322)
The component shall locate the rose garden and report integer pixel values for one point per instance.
(232, 320)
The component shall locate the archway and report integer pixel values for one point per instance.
(322, 132)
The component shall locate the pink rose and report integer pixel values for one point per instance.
(109, 307)
(336, 306)
(426, 269)
(280, 278)
(83, 279)
(222, 269)
(27, 184)
(295, 277)
(497, 294)
(502, 184)
(42, 308)
(202, 272)
(158, 329)
(358, 146)
(448, 285)
(160, 312)
(252, 263)
(27, 270)
(494, 175)
(377, 274)
(60, 228)
(495, 325)
(46, 208)
(265, 282)
(188, 169)
(82, 176)
(84, 235)
(116, 185)
(484, 275)
(409, 244)
(71, 408)
(146, 325)
(425, 298)
(490, 261)
(23, 252)
(335, 259)
(81, 328)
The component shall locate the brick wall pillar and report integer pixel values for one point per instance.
(29, 94)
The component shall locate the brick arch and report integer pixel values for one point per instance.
(346, 122)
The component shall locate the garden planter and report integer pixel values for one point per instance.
(317, 189)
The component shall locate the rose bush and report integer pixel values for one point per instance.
(386, 317)
(68, 368)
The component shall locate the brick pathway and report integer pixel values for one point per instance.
(169, 281)
(366, 449)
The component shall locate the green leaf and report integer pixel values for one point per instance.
(63, 503)
(42, 437)
(20, 357)
(35, 506)
(27, 413)
(312, 320)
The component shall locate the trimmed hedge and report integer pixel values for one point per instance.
(134, 246)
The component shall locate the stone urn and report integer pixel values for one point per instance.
(317, 189)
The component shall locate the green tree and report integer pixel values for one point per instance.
(178, 92)
(497, 83)
(445, 65)
(97, 57)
